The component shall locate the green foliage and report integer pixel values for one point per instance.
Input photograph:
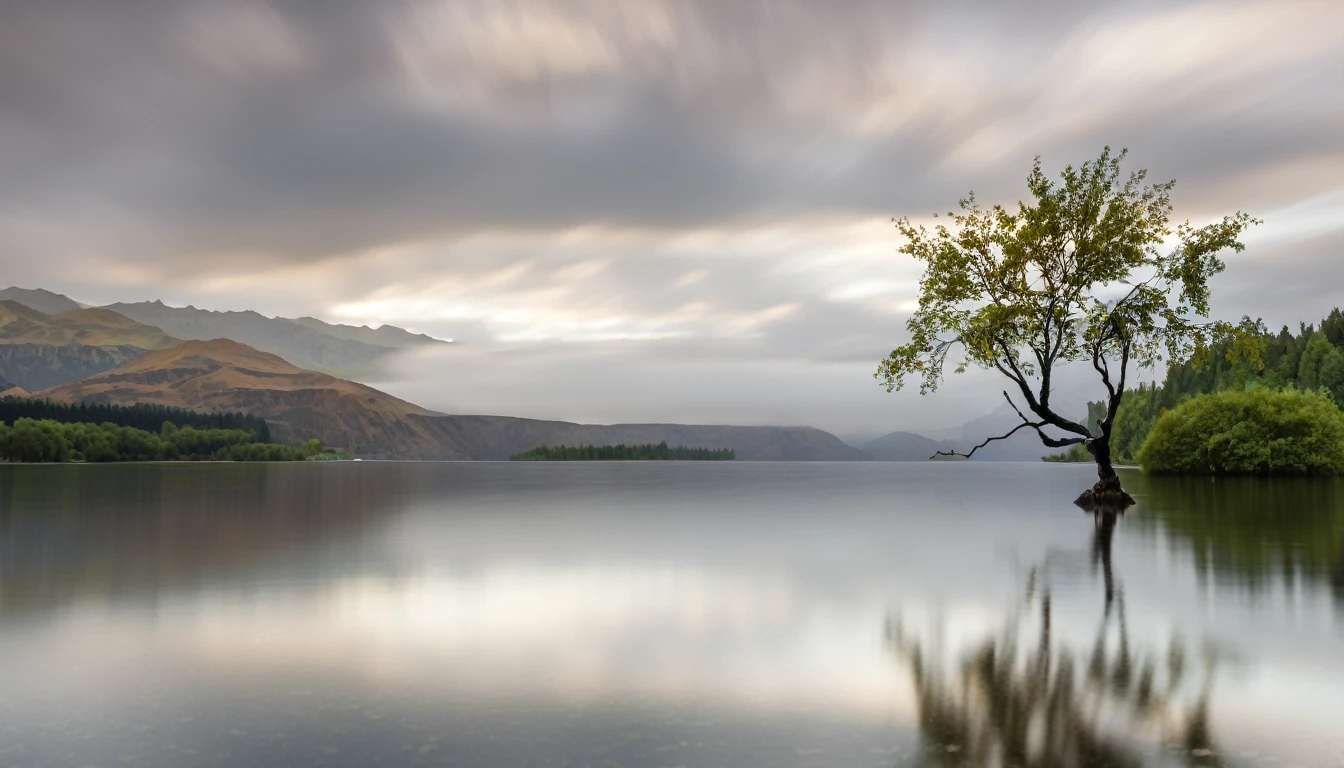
(145, 416)
(659, 452)
(1076, 454)
(47, 440)
(1021, 290)
(1261, 431)
(1309, 359)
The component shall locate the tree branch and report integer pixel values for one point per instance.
(1048, 441)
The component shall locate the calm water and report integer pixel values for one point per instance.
(677, 614)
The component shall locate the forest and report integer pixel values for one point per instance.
(1308, 360)
(48, 440)
(143, 416)
(622, 452)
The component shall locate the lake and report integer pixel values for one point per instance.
(664, 614)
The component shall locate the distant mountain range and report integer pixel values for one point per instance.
(43, 301)
(905, 446)
(307, 343)
(288, 371)
(1025, 445)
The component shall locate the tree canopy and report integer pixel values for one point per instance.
(1090, 271)
(1310, 358)
(146, 416)
(47, 440)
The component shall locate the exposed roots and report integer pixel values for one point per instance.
(1105, 497)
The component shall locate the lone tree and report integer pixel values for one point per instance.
(1091, 271)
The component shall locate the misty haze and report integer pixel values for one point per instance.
(671, 383)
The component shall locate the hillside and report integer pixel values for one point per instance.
(10, 389)
(305, 347)
(39, 350)
(43, 301)
(223, 375)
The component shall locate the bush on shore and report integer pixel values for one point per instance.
(1260, 431)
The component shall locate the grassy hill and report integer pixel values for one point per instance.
(93, 326)
(225, 375)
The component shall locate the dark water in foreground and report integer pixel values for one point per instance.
(682, 614)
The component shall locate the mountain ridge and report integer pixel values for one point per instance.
(306, 347)
(40, 299)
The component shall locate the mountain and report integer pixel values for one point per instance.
(904, 446)
(10, 389)
(499, 437)
(43, 301)
(39, 350)
(93, 326)
(383, 335)
(224, 375)
(297, 343)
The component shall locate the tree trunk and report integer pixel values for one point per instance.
(1106, 495)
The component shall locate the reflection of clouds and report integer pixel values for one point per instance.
(596, 632)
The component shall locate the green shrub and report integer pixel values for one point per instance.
(1261, 431)
(47, 440)
(1076, 453)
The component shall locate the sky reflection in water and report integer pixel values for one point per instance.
(666, 614)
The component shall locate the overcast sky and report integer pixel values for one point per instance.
(638, 210)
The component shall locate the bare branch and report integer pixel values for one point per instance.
(1015, 408)
(987, 441)
(1048, 441)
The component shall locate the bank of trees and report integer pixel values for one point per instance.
(143, 416)
(1307, 363)
(622, 452)
(48, 440)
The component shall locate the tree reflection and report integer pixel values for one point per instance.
(1261, 533)
(1026, 697)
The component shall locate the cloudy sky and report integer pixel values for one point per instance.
(636, 209)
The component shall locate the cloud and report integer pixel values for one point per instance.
(718, 175)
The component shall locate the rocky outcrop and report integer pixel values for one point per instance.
(38, 366)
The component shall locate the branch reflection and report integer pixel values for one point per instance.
(1029, 696)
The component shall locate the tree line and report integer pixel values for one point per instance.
(1236, 413)
(48, 440)
(142, 416)
(623, 452)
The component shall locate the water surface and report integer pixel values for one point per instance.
(664, 614)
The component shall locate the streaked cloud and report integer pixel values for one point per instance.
(708, 175)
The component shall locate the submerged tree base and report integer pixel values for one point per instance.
(1105, 497)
